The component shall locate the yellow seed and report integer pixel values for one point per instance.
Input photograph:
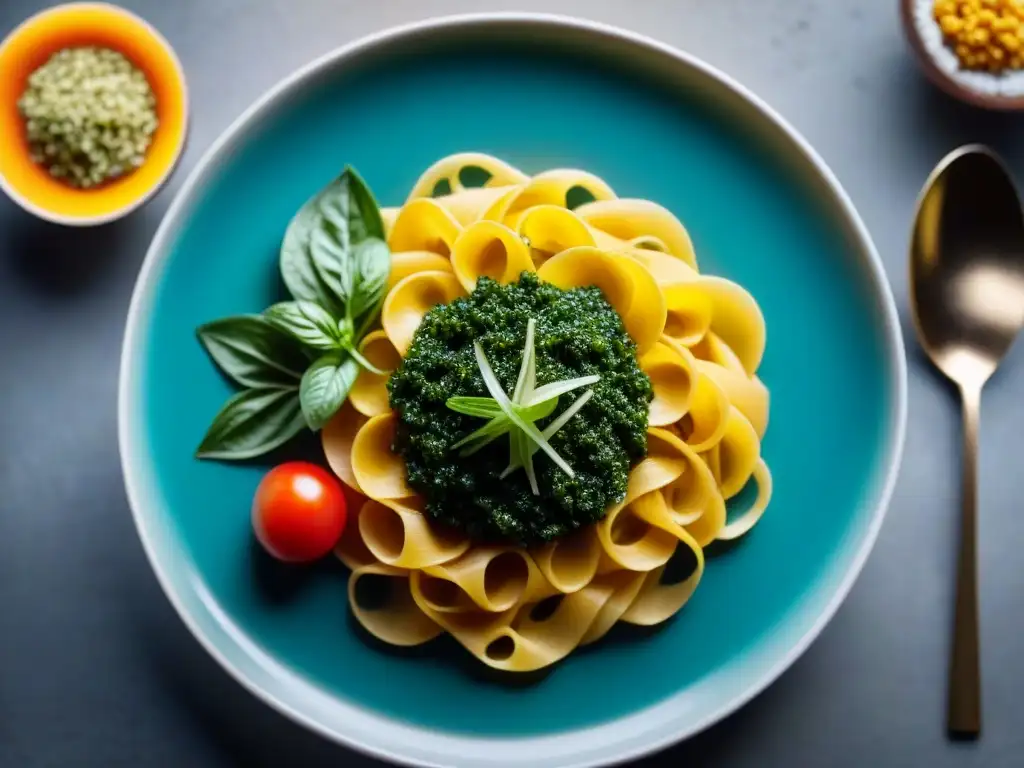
(985, 18)
(981, 58)
(996, 53)
(980, 36)
(990, 3)
(1004, 24)
(970, 23)
(951, 25)
(945, 7)
(1009, 41)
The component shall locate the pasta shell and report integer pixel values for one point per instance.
(671, 371)
(747, 394)
(337, 437)
(369, 392)
(394, 616)
(737, 320)
(408, 302)
(570, 563)
(449, 168)
(740, 525)
(550, 229)
(470, 205)
(488, 249)
(405, 263)
(688, 313)
(400, 536)
(657, 601)
(628, 219)
(379, 472)
(552, 188)
(424, 225)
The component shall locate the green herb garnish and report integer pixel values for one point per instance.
(516, 416)
(299, 358)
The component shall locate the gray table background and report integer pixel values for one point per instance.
(97, 670)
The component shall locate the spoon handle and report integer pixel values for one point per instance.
(964, 681)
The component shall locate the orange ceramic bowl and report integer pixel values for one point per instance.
(75, 24)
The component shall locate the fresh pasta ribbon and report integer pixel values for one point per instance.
(369, 393)
(411, 299)
(700, 340)
(393, 617)
(488, 249)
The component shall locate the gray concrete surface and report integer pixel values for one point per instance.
(96, 669)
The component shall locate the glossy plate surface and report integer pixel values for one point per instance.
(539, 92)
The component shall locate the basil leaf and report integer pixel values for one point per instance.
(252, 352)
(297, 269)
(351, 208)
(334, 251)
(370, 280)
(253, 422)
(325, 386)
(349, 215)
(332, 259)
(307, 322)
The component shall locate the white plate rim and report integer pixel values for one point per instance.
(608, 743)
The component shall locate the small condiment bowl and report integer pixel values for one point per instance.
(78, 24)
(970, 87)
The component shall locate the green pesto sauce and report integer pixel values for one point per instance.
(577, 334)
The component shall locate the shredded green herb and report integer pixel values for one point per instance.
(576, 334)
(89, 114)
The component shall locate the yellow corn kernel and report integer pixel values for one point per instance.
(945, 8)
(951, 25)
(981, 58)
(990, 3)
(980, 36)
(985, 18)
(962, 51)
(1016, 61)
(995, 53)
(1004, 24)
(970, 23)
(1010, 42)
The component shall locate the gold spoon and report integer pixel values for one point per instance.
(967, 297)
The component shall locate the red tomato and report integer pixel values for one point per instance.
(299, 512)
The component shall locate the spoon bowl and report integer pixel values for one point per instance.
(967, 296)
(967, 265)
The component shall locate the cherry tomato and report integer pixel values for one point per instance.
(299, 512)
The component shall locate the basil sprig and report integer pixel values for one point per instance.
(298, 360)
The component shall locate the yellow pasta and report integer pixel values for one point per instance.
(411, 299)
(489, 249)
(699, 339)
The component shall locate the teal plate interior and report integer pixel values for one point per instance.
(539, 94)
